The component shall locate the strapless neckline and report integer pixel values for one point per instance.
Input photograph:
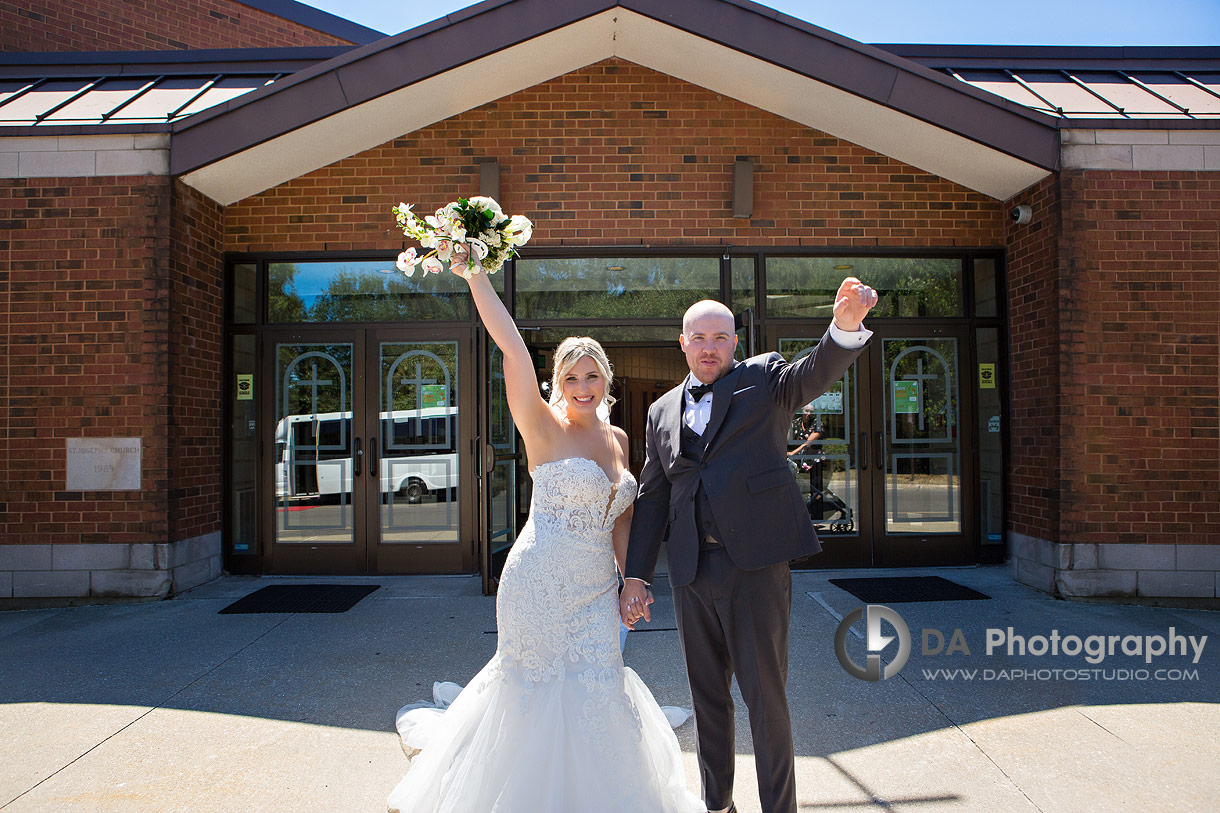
(596, 465)
(614, 486)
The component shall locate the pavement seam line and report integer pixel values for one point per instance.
(1081, 712)
(816, 596)
(151, 709)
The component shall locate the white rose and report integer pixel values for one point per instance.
(519, 230)
(486, 204)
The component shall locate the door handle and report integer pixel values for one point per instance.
(863, 451)
(359, 454)
(372, 457)
(880, 453)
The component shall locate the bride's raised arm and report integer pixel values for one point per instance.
(534, 418)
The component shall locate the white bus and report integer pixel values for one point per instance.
(416, 454)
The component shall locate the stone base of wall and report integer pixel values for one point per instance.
(1116, 570)
(108, 571)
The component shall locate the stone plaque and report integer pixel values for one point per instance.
(103, 464)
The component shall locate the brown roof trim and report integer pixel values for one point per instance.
(387, 65)
(39, 130)
(1056, 57)
(317, 19)
(1138, 124)
(169, 63)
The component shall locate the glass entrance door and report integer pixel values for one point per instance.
(881, 458)
(920, 449)
(367, 456)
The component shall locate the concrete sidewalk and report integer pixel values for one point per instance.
(170, 706)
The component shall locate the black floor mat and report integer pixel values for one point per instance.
(900, 589)
(302, 598)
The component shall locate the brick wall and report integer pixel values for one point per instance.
(146, 25)
(196, 359)
(86, 308)
(616, 154)
(1140, 345)
(1034, 480)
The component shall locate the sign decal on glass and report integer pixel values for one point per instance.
(906, 397)
(986, 376)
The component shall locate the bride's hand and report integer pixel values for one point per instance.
(633, 603)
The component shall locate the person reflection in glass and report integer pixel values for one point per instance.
(806, 458)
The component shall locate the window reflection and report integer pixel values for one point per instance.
(362, 291)
(614, 288)
(908, 286)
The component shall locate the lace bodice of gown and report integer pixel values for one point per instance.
(557, 603)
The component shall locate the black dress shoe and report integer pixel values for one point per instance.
(732, 808)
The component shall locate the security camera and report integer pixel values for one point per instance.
(1022, 215)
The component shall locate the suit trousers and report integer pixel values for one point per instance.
(733, 621)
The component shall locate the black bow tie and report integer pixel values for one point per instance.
(697, 392)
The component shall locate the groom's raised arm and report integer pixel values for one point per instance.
(651, 512)
(796, 384)
(793, 385)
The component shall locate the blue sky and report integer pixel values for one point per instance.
(992, 22)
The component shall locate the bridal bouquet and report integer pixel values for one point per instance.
(471, 235)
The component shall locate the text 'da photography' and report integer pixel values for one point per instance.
(1012, 654)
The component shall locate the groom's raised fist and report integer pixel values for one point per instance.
(852, 303)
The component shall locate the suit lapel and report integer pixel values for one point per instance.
(671, 421)
(722, 394)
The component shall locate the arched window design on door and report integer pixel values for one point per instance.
(313, 443)
(923, 444)
(415, 394)
(418, 402)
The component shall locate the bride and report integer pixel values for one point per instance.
(553, 723)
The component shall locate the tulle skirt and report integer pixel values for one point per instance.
(589, 740)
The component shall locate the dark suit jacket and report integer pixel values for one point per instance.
(755, 500)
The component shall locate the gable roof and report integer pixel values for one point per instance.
(857, 92)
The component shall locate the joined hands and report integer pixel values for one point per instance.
(633, 602)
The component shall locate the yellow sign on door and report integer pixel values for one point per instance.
(245, 387)
(986, 376)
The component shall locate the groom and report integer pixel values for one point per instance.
(717, 486)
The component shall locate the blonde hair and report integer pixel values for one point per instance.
(569, 352)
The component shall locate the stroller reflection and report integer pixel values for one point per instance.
(827, 510)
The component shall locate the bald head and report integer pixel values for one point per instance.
(711, 315)
(708, 340)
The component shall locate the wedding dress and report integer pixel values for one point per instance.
(554, 723)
